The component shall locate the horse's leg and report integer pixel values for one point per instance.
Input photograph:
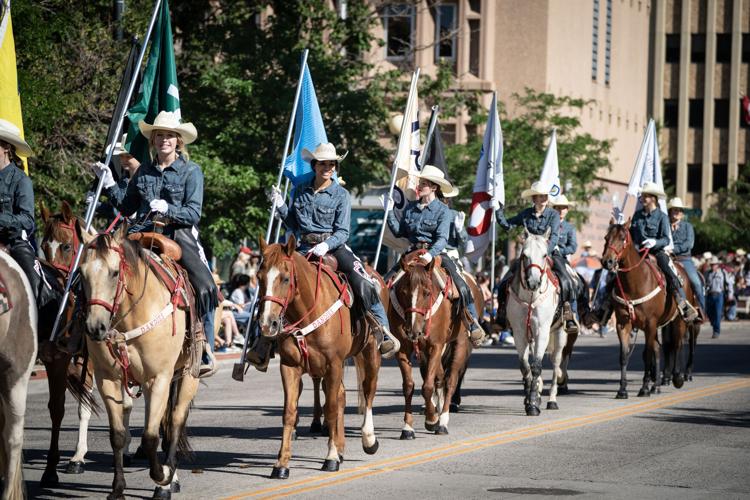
(315, 426)
(333, 387)
(290, 378)
(460, 353)
(57, 373)
(667, 340)
(535, 392)
(110, 391)
(679, 330)
(650, 360)
(693, 329)
(623, 332)
(558, 339)
(11, 424)
(431, 421)
(340, 435)
(157, 395)
(407, 431)
(127, 409)
(567, 352)
(368, 365)
(522, 349)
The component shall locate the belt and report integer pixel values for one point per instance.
(315, 238)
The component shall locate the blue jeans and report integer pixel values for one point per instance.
(378, 311)
(732, 311)
(715, 306)
(695, 281)
(208, 326)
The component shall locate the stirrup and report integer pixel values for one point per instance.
(208, 369)
(390, 345)
(687, 311)
(476, 333)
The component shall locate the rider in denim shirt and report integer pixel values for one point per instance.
(683, 237)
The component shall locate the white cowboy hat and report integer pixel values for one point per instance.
(435, 175)
(676, 203)
(119, 149)
(741, 252)
(168, 120)
(324, 152)
(12, 135)
(652, 189)
(562, 201)
(587, 244)
(707, 255)
(714, 260)
(536, 189)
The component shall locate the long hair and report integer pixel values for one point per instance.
(14, 158)
(181, 147)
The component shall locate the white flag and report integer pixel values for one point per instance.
(489, 184)
(551, 170)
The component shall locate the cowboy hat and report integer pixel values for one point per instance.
(168, 120)
(714, 260)
(436, 176)
(536, 188)
(562, 201)
(324, 152)
(652, 189)
(12, 135)
(676, 203)
(587, 244)
(741, 252)
(707, 255)
(119, 149)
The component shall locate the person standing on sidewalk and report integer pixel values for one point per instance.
(717, 285)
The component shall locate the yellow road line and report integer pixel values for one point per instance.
(474, 444)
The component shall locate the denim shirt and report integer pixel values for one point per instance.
(16, 204)
(327, 211)
(180, 185)
(567, 243)
(548, 219)
(654, 225)
(683, 238)
(429, 224)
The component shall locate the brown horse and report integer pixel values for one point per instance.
(18, 329)
(641, 301)
(306, 312)
(423, 315)
(136, 328)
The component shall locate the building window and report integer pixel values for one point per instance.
(695, 113)
(724, 48)
(595, 41)
(446, 20)
(673, 48)
(474, 47)
(694, 178)
(746, 47)
(721, 113)
(476, 6)
(448, 133)
(698, 48)
(671, 113)
(720, 176)
(670, 174)
(608, 44)
(744, 115)
(398, 23)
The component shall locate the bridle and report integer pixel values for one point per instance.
(65, 269)
(619, 254)
(433, 301)
(121, 287)
(525, 270)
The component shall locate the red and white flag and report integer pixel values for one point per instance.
(489, 184)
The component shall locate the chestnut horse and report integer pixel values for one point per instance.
(18, 329)
(305, 311)
(136, 334)
(641, 301)
(423, 314)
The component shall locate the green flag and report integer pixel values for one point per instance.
(159, 91)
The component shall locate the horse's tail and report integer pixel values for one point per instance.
(76, 385)
(167, 424)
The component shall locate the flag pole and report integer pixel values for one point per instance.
(278, 226)
(394, 169)
(493, 229)
(430, 134)
(238, 371)
(91, 209)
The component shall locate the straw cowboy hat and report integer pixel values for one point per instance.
(741, 252)
(714, 260)
(168, 120)
(707, 255)
(435, 175)
(12, 135)
(119, 149)
(562, 201)
(652, 189)
(587, 244)
(324, 152)
(676, 203)
(536, 189)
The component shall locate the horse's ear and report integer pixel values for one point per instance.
(262, 243)
(83, 236)
(402, 262)
(67, 212)
(44, 211)
(121, 234)
(627, 224)
(547, 233)
(612, 220)
(291, 244)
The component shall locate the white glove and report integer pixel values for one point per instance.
(618, 216)
(649, 243)
(320, 249)
(100, 169)
(495, 204)
(387, 202)
(276, 198)
(159, 206)
(426, 257)
(459, 220)
(89, 200)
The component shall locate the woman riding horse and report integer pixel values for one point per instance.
(171, 186)
(426, 223)
(319, 214)
(537, 220)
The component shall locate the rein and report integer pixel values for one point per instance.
(532, 303)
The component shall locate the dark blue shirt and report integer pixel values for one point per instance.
(683, 238)
(535, 224)
(653, 225)
(16, 204)
(567, 242)
(327, 211)
(180, 185)
(430, 224)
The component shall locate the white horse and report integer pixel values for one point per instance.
(533, 300)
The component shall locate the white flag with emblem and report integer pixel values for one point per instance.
(551, 169)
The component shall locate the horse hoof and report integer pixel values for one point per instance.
(690, 378)
(49, 479)
(161, 493)
(432, 427)
(441, 430)
(455, 408)
(74, 468)
(622, 394)
(280, 473)
(655, 389)
(678, 381)
(563, 389)
(315, 427)
(552, 405)
(175, 487)
(112, 496)
(370, 450)
(330, 466)
(532, 411)
(407, 435)
(643, 393)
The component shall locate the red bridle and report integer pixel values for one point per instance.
(76, 243)
(120, 288)
(525, 269)
(427, 311)
(618, 253)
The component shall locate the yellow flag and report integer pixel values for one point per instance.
(10, 99)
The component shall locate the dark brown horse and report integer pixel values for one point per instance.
(423, 315)
(300, 307)
(641, 301)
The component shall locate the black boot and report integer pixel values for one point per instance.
(260, 354)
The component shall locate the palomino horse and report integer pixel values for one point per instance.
(18, 324)
(532, 311)
(641, 301)
(305, 310)
(136, 335)
(422, 314)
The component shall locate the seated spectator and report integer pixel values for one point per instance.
(243, 264)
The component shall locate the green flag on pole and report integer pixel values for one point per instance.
(159, 90)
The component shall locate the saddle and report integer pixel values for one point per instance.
(330, 267)
(158, 242)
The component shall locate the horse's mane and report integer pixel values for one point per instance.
(419, 277)
(274, 255)
(132, 251)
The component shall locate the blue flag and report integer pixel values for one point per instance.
(309, 131)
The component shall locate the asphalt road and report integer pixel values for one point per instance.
(688, 443)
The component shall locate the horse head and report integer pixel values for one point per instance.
(107, 262)
(616, 243)
(62, 236)
(534, 259)
(277, 282)
(415, 293)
